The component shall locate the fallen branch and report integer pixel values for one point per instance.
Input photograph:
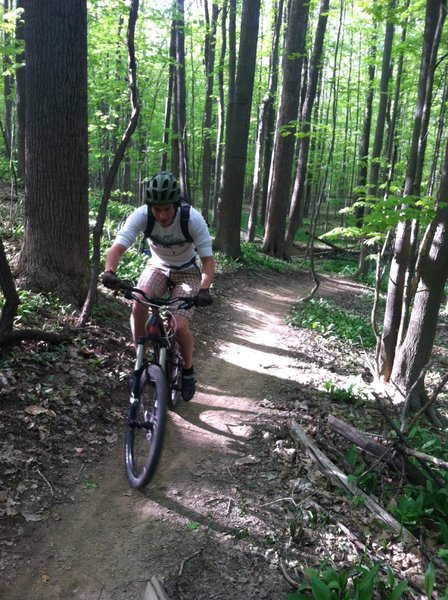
(433, 460)
(155, 590)
(39, 335)
(181, 570)
(386, 454)
(341, 480)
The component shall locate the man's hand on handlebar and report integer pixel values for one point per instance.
(110, 280)
(204, 298)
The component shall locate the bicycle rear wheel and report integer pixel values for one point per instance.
(146, 427)
(174, 375)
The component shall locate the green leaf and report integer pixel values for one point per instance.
(398, 591)
(320, 590)
(430, 577)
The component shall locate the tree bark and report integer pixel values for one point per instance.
(55, 253)
(396, 317)
(12, 299)
(414, 353)
(297, 200)
(209, 58)
(221, 121)
(283, 153)
(263, 143)
(230, 205)
(181, 100)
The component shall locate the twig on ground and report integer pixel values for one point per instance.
(292, 582)
(181, 570)
(229, 506)
(285, 499)
(46, 481)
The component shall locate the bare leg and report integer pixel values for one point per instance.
(185, 339)
(139, 316)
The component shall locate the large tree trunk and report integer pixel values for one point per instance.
(395, 317)
(55, 253)
(283, 154)
(230, 205)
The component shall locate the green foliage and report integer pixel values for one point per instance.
(348, 267)
(326, 318)
(428, 503)
(382, 215)
(358, 583)
(365, 478)
(346, 395)
(34, 306)
(254, 259)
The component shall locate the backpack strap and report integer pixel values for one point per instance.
(184, 220)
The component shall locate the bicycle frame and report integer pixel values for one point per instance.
(163, 333)
(153, 388)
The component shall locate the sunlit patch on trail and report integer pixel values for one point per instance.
(258, 360)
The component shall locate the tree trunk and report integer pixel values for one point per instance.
(230, 205)
(209, 57)
(220, 134)
(395, 318)
(377, 147)
(297, 200)
(7, 87)
(181, 105)
(415, 351)
(266, 111)
(20, 96)
(10, 294)
(283, 155)
(55, 252)
(169, 100)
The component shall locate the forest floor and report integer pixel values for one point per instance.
(235, 510)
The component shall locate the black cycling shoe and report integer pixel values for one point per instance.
(188, 387)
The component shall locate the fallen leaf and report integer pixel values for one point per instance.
(39, 410)
(31, 517)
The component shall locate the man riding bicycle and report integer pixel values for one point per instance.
(175, 242)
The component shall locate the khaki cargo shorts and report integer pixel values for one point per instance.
(179, 283)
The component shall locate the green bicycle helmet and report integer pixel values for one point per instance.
(162, 189)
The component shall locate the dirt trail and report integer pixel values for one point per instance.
(200, 526)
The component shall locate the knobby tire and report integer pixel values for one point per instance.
(146, 427)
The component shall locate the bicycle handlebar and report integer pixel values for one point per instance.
(132, 293)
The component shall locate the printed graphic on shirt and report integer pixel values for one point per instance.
(167, 241)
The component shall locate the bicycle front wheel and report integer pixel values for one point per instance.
(146, 427)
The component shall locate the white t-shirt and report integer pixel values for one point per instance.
(167, 244)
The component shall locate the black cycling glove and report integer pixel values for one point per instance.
(110, 280)
(204, 297)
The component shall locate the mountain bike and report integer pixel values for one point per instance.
(155, 384)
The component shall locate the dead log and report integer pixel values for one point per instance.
(400, 462)
(37, 335)
(341, 480)
(155, 590)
